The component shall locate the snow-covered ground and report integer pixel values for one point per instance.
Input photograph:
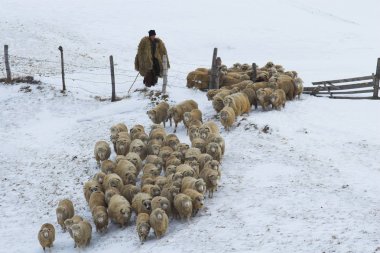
(310, 184)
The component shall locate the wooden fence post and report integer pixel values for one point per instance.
(63, 69)
(376, 81)
(254, 72)
(218, 65)
(7, 67)
(113, 98)
(214, 70)
(164, 73)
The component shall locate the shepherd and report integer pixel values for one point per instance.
(149, 58)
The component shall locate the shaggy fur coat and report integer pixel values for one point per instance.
(143, 59)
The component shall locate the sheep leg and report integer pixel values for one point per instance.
(175, 127)
(170, 121)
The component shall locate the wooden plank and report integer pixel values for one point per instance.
(7, 67)
(352, 97)
(352, 92)
(213, 70)
(347, 86)
(164, 73)
(113, 97)
(376, 80)
(354, 79)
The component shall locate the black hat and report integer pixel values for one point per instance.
(152, 32)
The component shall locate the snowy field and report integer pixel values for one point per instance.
(308, 184)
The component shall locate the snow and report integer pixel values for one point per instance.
(310, 184)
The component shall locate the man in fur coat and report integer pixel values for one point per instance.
(148, 61)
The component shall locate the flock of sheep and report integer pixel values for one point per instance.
(273, 87)
(153, 175)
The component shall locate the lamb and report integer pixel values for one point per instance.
(153, 190)
(136, 130)
(179, 109)
(165, 152)
(46, 235)
(163, 203)
(159, 114)
(158, 135)
(198, 185)
(203, 159)
(113, 180)
(214, 150)
(217, 139)
(100, 217)
(64, 211)
(227, 117)
(110, 192)
(210, 177)
(183, 206)
(214, 165)
(90, 187)
(129, 191)
(199, 143)
(192, 154)
(135, 159)
(123, 144)
(102, 151)
(151, 169)
(154, 147)
(69, 222)
(138, 147)
(159, 222)
(142, 226)
(278, 99)
(82, 234)
(188, 117)
(156, 160)
(115, 130)
(197, 200)
(97, 199)
(186, 171)
(108, 166)
(141, 203)
(208, 128)
(119, 210)
(172, 141)
(127, 172)
(263, 96)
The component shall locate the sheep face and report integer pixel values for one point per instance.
(174, 191)
(138, 148)
(204, 132)
(200, 185)
(171, 169)
(213, 147)
(130, 179)
(155, 148)
(122, 146)
(152, 115)
(228, 101)
(194, 132)
(213, 179)
(115, 182)
(147, 204)
(165, 154)
(134, 160)
(194, 165)
(156, 191)
(187, 117)
(76, 230)
(182, 147)
(126, 213)
(102, 153)
(45, 232)
(199, 202)
(214, 165)
(143, 231)
(177, 116)
(224, 115)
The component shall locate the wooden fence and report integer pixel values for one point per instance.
(348, 88)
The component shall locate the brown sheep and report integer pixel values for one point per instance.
(211, 179)
(141, 203)
(186, 170)
(136, 160)
(102, 151)
(217, 102)
(195, 166)
(197, 200)
(119, 158)
(199, 143)
(127, 172)
(172, 141)
(198, 79)
(139, 147)
(169, 192)
(110, 192)
(287, 84)
(183, 147)
(158, 135)
(252, 97)
(203, 159)
(179, 109)
(192, 154)
(115, 130)
(150, 168)
(299, 83)
(108, 166)
(192, 183)
(142, 226)
(156, 160)
(99, 177)
(81, 234)
(129, 191)
(227, 117)
(194, 129)
(211, 93)
(46, 235)
(163, 203)
(171, 169)
(113, 180)
(214, 150)
(119, 210)
(165, 152)
(100, 217)
(217, 139)
(69, 222)
(90, 187)
(238, 102)
(208, 128)
(188, 117)
(65, 210)
(175, 179)
(214, 165)
(122, 144)
(159, 222)
(263, 97)
(152, 190)
(278, 99)
(154, 147)
(97, 199)
(183, 206)
(136, 130)
(159, 114)
(172, 160)
(161, 181)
